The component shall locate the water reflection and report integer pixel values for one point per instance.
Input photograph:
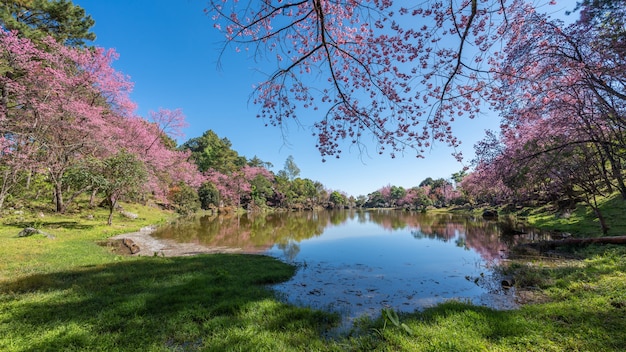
(358, 262)
(260, 232)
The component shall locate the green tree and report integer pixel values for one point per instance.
(256, 162)
(85, 176)
(457, 177)
(36, 19)
(184, 198)
(208, 196)
(122, 176)
(303, 192)
(261, 190)
(361, 200)
(397, 193)
(338, 199)
(376, 200)
(291, 169)
(210, 152)
(428, 181)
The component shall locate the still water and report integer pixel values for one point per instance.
(358, 262)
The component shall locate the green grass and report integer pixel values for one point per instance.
(216, 302)
(582, 222)
(69, 294)
(585, 311)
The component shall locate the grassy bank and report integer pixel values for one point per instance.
(582, 221)
(68, 293)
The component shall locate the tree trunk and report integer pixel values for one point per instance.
(4, 191)
(29, 176)
(616, 169)
(92, 199)
(112, 204)
(603, 225)
(58, 197)
(592, 202)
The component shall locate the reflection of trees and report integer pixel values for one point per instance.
(290, 249)
(490, 239)
(253, 231)
(258, 232)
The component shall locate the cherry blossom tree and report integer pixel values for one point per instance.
(558, 80)
(55, 98)
(60, 105)
(368, 68)
(166, 167)
(236, 185)
(16, 155)
(562, 132)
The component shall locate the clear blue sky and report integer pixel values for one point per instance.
(170, 51)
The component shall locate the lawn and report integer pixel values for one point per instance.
(70, 294)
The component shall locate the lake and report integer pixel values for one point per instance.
(358, 262)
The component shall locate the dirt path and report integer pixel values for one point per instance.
(150, 246)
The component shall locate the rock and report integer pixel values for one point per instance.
(490, 214)
(508, 282)
(131, 245)
(148, 229)
(129, 215)
(29, 231)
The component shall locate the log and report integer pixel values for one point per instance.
(577, 242)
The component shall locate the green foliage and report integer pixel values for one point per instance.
(390, 315)
(119, 176)
(208, 196)
(457, 177)
(427, 182)
(123, 175)
(184, 198)
(35, 19)
(256, 162)
(261, 190)
(211, 152)
(85, 175)
(291, 169)
(338, 199)
(397, 192)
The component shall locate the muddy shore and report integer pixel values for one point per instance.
(150, 246)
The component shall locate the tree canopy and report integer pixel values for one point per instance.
(368, 68)
(37, 19)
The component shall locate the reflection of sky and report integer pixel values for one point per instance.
(360, 268)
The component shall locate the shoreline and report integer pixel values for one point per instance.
(151, 246)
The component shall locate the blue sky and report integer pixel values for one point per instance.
(170, 51)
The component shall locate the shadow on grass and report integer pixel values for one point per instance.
(198, 302)
(70, 225)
